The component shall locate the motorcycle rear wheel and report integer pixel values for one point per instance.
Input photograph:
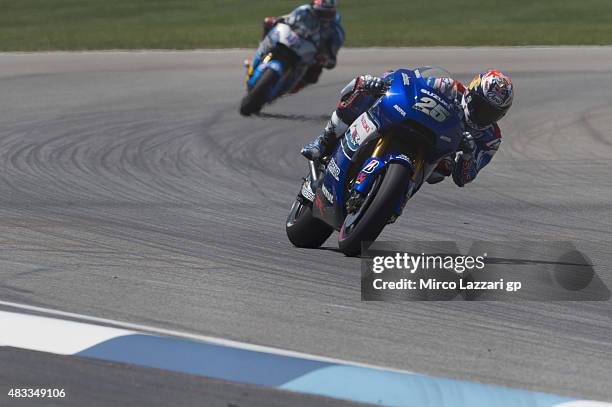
(303, 229)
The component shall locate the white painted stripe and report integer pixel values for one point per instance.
(52, 335)
(202, 338)
(584, 403)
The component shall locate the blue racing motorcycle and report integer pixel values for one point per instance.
(381, 161)
(269, 76)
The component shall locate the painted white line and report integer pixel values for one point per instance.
(201, 338)
(52, 335)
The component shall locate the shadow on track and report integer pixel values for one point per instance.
(298, 117)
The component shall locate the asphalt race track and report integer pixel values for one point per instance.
(131, 189)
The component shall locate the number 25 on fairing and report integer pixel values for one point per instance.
(429, 106)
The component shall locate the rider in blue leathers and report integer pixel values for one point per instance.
(488, 99)
(318, 21)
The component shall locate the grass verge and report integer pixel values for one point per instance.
(27, 25)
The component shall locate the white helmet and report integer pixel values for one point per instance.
(488, 98)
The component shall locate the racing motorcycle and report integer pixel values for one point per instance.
(382, 160)
(280, 71)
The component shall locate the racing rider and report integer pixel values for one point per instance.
(486, 101)
(318, 21)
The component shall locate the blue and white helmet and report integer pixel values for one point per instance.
(488, 98)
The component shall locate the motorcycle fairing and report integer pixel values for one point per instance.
(411, 100)
(333, 211)
(306, 51)
(408, 103)
(331, 185)
(273, 64)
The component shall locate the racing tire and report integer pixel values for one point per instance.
(376, 210)
(303, 229)
(257, 96)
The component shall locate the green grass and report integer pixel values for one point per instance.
(27, 25)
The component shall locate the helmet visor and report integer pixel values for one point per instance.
(482, 113)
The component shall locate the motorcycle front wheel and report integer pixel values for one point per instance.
(257, 96)
(377, 208)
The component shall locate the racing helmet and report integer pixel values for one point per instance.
(488, 98)
(325, 9)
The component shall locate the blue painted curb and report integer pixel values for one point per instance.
(355, 383)
(204, 359)
(410, 390)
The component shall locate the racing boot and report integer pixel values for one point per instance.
(321, 146)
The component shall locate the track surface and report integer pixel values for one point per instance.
(131, 189)
(94, 383)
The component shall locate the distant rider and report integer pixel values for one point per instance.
(487, 100)
(318, 21)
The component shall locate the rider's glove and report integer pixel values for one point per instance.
(464, 170)
(372, 84)
(467, 145)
